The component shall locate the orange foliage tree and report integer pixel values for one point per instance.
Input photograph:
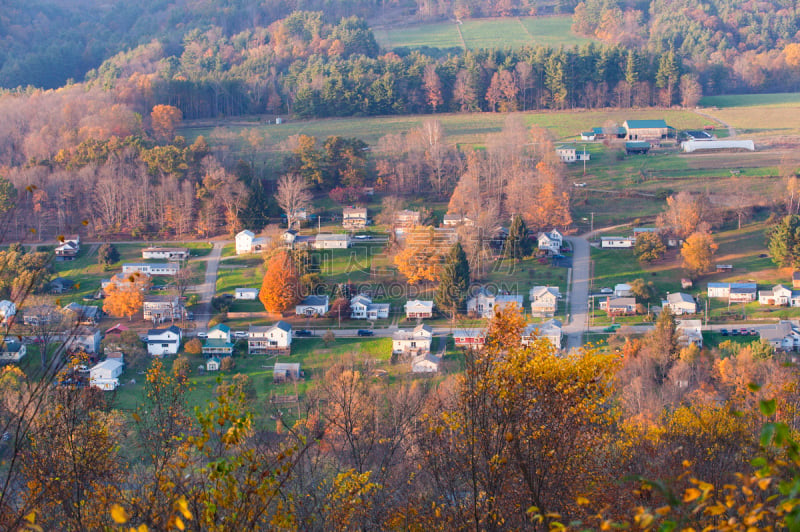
(422, 257)
(281, 284)
(126, 297)
(164, 120)
(698, 252)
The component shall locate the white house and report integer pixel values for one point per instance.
(250, 294)
(689, 332)
(549, 330)
(617, 242)
(451, 220)
(105, 374)
(218, 341)
(267, 339)
(680, 303)
(778, 296)
(551, 242)
(12, 350)
(86, 339)
(568, 153)
(782, 335)
(246, 242)
(416, 341)
(331, 241)
(312, 306)
(7, 311)
(426, 363)
(588, 135)
(622, 290)
(69, 248)
(212, 364)
(159, 308)
(735, 292)
(155, 268)
(354, 218)
(419, 309)
(485, 304)
(165, 253)
(544, 300)
(362, 308)
(161, 342)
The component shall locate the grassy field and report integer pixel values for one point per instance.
(751, 100)
(484, 33)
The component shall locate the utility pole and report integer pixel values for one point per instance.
(591, 227)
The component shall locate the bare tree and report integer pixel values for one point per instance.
(292, 196)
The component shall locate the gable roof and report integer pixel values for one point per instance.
(246, 232)
(680, 297)
(314, 301)
(284, 326)
(220, 327)
(172, 328)
(645, 124)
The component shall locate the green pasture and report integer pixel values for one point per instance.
(484, 33)
(751, 100)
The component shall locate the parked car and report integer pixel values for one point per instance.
(202, 335)
(744, 332)
(240, 334)
(753, 332)
(723, 332)
(606, 290)
(734, 332)
(303, 332)
(362, 237)
(365, 332)
(612, 328)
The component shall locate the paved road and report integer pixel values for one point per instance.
(578, 293)
(207, 290)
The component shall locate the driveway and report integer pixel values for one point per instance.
(578, 293)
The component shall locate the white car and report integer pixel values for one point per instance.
(606, 291)
(240, 334)
(362, 237)
(202, 335)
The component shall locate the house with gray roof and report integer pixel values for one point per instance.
(262, 340)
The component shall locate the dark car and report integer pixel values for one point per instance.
(723, 332)
(365, 332)
(734, 332)
(303, 332)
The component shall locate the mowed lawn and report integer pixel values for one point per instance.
(481, 33)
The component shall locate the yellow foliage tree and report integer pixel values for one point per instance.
(422, 257)
(126, 297)
(698, 252)
(164, 120)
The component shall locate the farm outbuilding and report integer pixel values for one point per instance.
(690, 146)
(638, 146)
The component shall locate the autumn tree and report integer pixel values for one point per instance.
(684, 213)
(193, 346)
(453, 282)
(164, 119)
(125, 297)
(280, 289)
(784, 241)
(649, 246)
(107, 254)
(433, 86)
(292, 196)
(181, 368)
(422, 255)
(698, 252)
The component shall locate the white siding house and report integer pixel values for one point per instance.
(419, 309)
(680, 303)
(415, 341)
(246, 242)
(544, 300)
(549, 330)
(161, 342)
(778, 296)
(105, 374)
(331, 241)
(266, 339)
(155, 268)
(312, 306)
(165, 253)
(617, 242)
(690, 332)
(551, 241)
(362, 308)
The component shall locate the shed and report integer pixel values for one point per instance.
(636, 147)
(212, 364)
(286, 371)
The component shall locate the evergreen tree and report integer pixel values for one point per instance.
(107, 254)
(517, 245)
(784, 241)
(454, 281)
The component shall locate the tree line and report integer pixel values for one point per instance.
(524, 438)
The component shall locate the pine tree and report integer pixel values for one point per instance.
(107, 254)
(454, 281)
(517, 245)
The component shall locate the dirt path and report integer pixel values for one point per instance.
(731, 130)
